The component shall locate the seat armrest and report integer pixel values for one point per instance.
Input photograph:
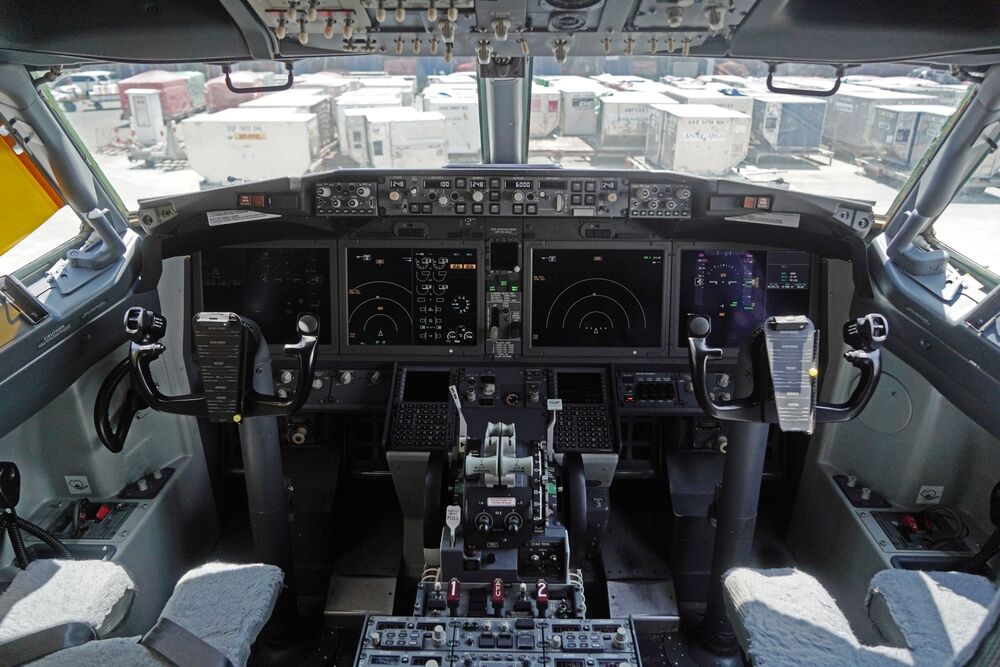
(27, 648)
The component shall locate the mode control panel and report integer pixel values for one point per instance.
(478, 195)
(664, 200)
(340, 199)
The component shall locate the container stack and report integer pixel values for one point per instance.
(407, 142)
(788, 123)
(851, 113)
(175, 95)
(623, 117)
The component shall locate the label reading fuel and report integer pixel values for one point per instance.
(501, 501)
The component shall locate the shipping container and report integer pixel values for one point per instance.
(418, 141)
(894, 129)
(697, 138)
(251, 144)
(929, 128)
(175, 100)
(219, 97)
(851, 112)
(146, 118)
(356, 100)
(623, 117)
(617, 81)
(788, 122)
(942, 94)
(457, 78)
(461, 112)
(726, 97)
(311, 100)
(577, 104)
(544, 110)
(330, 83)
(196, 88)
(356, 128)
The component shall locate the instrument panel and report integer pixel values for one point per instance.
(502, 265)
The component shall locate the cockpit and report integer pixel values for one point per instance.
(548, 333)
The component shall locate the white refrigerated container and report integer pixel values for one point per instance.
(623, 117)
(851, 112)
(356, 129)
(461, 112)
(312, 100)
(251, 144)
(416, 141)
(697, 138)
(577, 104)
(354, 100)
(720, 96)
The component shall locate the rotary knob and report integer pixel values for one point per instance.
(394, 195)
(612, 197)
(518, 196)
(323, 191)
(364, 191)
(443, 200)
(477, 196)
(345, 377)
(438, 636)
(285, 377)
(317, 383)
(620, 638)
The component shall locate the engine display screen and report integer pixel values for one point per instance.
(739, 289)
(403, 296)
(596, 298)
(578, 387)
(271, 286)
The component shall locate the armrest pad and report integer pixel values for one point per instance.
(43, 642)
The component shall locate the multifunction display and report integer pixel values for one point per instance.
(403, 296)
(596, 297)
(739, 289)
(271, 286)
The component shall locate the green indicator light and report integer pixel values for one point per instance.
(550, 488)
(513, 288)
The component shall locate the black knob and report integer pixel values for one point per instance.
(484, 522)
(699, 326)
(513, 522)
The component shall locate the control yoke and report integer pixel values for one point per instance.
(784, 355)
(227, 346)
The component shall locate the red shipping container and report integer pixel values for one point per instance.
(219, 97)
(175, 99)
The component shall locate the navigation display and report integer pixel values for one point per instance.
(271, 286)
(596, 298)
(739, 289)
(402, 296)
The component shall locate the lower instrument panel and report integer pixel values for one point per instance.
(500, 642)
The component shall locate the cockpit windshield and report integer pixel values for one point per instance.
(163, 129)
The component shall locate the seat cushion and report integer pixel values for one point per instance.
(226, 605)
(53, 592)
(784, 617)
(935, 614)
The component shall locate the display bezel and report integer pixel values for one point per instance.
(381, 351)
(529, 350)
(679, 348)
(198, 294)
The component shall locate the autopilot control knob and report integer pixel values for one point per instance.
(438, 636)
(375, 377)
(364, 191)
(317, 383)
(620, 638)
(285, 377)
(489, 388)
(556, 642)
(722, 379)
(533, 395)
(375, 639)
(518, 196)
(477, 196)
(345, 377)
(470, 394)
(323, 191)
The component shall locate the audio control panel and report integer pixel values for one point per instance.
(340, 199)
(663, 200)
